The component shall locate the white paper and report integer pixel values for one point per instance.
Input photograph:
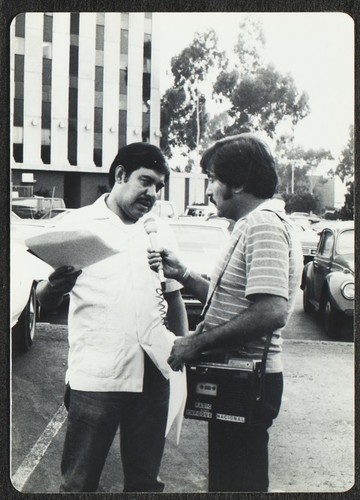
(77, 248)
(157, 342)
(178, 394)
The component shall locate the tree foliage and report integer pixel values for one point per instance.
(250, 45)
(345, 167)
(347, 211)
(254, 95)
(294, 164)
(260, 96)
(262, 100)
(302, 201)
(184, 115)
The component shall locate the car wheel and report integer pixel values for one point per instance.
(331, 319)
(307, 306)
(23, 332)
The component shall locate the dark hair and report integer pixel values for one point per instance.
(137, 155)
(245, 161)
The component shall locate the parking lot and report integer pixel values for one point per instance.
(315, 424)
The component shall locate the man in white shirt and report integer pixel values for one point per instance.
(117, 331)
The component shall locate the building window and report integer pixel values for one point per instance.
(48, 28)
(99, 87)
(146, 87)
(99, 37)
(99, 78)
(122, 127)
(19, 91)
(147, 46)
(20, 25)
(146, 127)
(98, 157)
(46, 89)
(18, 112)
(46, 115)
(73, 101)
(18, 153)
(45, 154)
(19, 68)
(74, 23)
(124, 42)
(46, 75)
(74, 60)
(73, 88)
(98, 117)
(147, 55)
(123, 81)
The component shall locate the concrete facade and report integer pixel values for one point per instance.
(77, 96)
(331, 191)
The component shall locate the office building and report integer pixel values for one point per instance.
(82, 86)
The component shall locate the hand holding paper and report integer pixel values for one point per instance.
(76, 248)
(63, 279)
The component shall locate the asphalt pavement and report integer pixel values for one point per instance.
(311, 442)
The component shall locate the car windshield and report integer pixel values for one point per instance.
(345, 242)
(199, 244)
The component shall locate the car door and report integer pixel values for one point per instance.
(322, 261)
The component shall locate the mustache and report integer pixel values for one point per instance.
(147, 200)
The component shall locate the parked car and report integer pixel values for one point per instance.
(200, 244)
(200, 211)
(26, 271)
(35, 207)
(309, 240)
(328, 281)
(310, 221)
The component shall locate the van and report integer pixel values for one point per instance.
(165, 209)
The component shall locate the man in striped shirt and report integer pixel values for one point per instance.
(259, 274)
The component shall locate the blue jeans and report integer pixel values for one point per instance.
(93, 420)
(238, 453)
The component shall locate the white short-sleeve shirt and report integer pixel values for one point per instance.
(114, 303)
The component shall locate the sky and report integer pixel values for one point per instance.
(317, 49)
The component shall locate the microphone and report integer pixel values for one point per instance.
(151, 229)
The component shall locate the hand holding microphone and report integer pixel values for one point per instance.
(151, 229)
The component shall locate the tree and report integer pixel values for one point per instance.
(347, 211)
(260, 96)
(254, 95)
(345, 168)
(184, 114)
(262, 100)
(295, 164)
(250, 45)
(301, 202)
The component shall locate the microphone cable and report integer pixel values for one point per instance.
(162, 307)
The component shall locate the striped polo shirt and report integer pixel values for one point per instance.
(264, 256)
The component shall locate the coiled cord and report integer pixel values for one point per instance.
(162, 306)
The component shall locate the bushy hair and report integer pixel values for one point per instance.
(137, 155)
(245, 161)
